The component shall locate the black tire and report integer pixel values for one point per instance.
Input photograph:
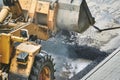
(42, 60)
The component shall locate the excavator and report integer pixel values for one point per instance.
(24, 23)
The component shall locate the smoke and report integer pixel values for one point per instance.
(67, 61)
(70, 58)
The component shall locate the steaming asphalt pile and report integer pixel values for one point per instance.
(67, 61)
(71, 58)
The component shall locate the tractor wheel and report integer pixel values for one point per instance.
(43, 67)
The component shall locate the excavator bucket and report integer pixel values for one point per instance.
(74, 15)
(71, 15)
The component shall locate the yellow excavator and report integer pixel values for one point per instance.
(23, 23)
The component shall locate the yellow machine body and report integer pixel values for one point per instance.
(9, 53)
(33, 9)
(37, 18)
(32, 49)
(5, 48)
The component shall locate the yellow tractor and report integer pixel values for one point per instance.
(23, 23)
